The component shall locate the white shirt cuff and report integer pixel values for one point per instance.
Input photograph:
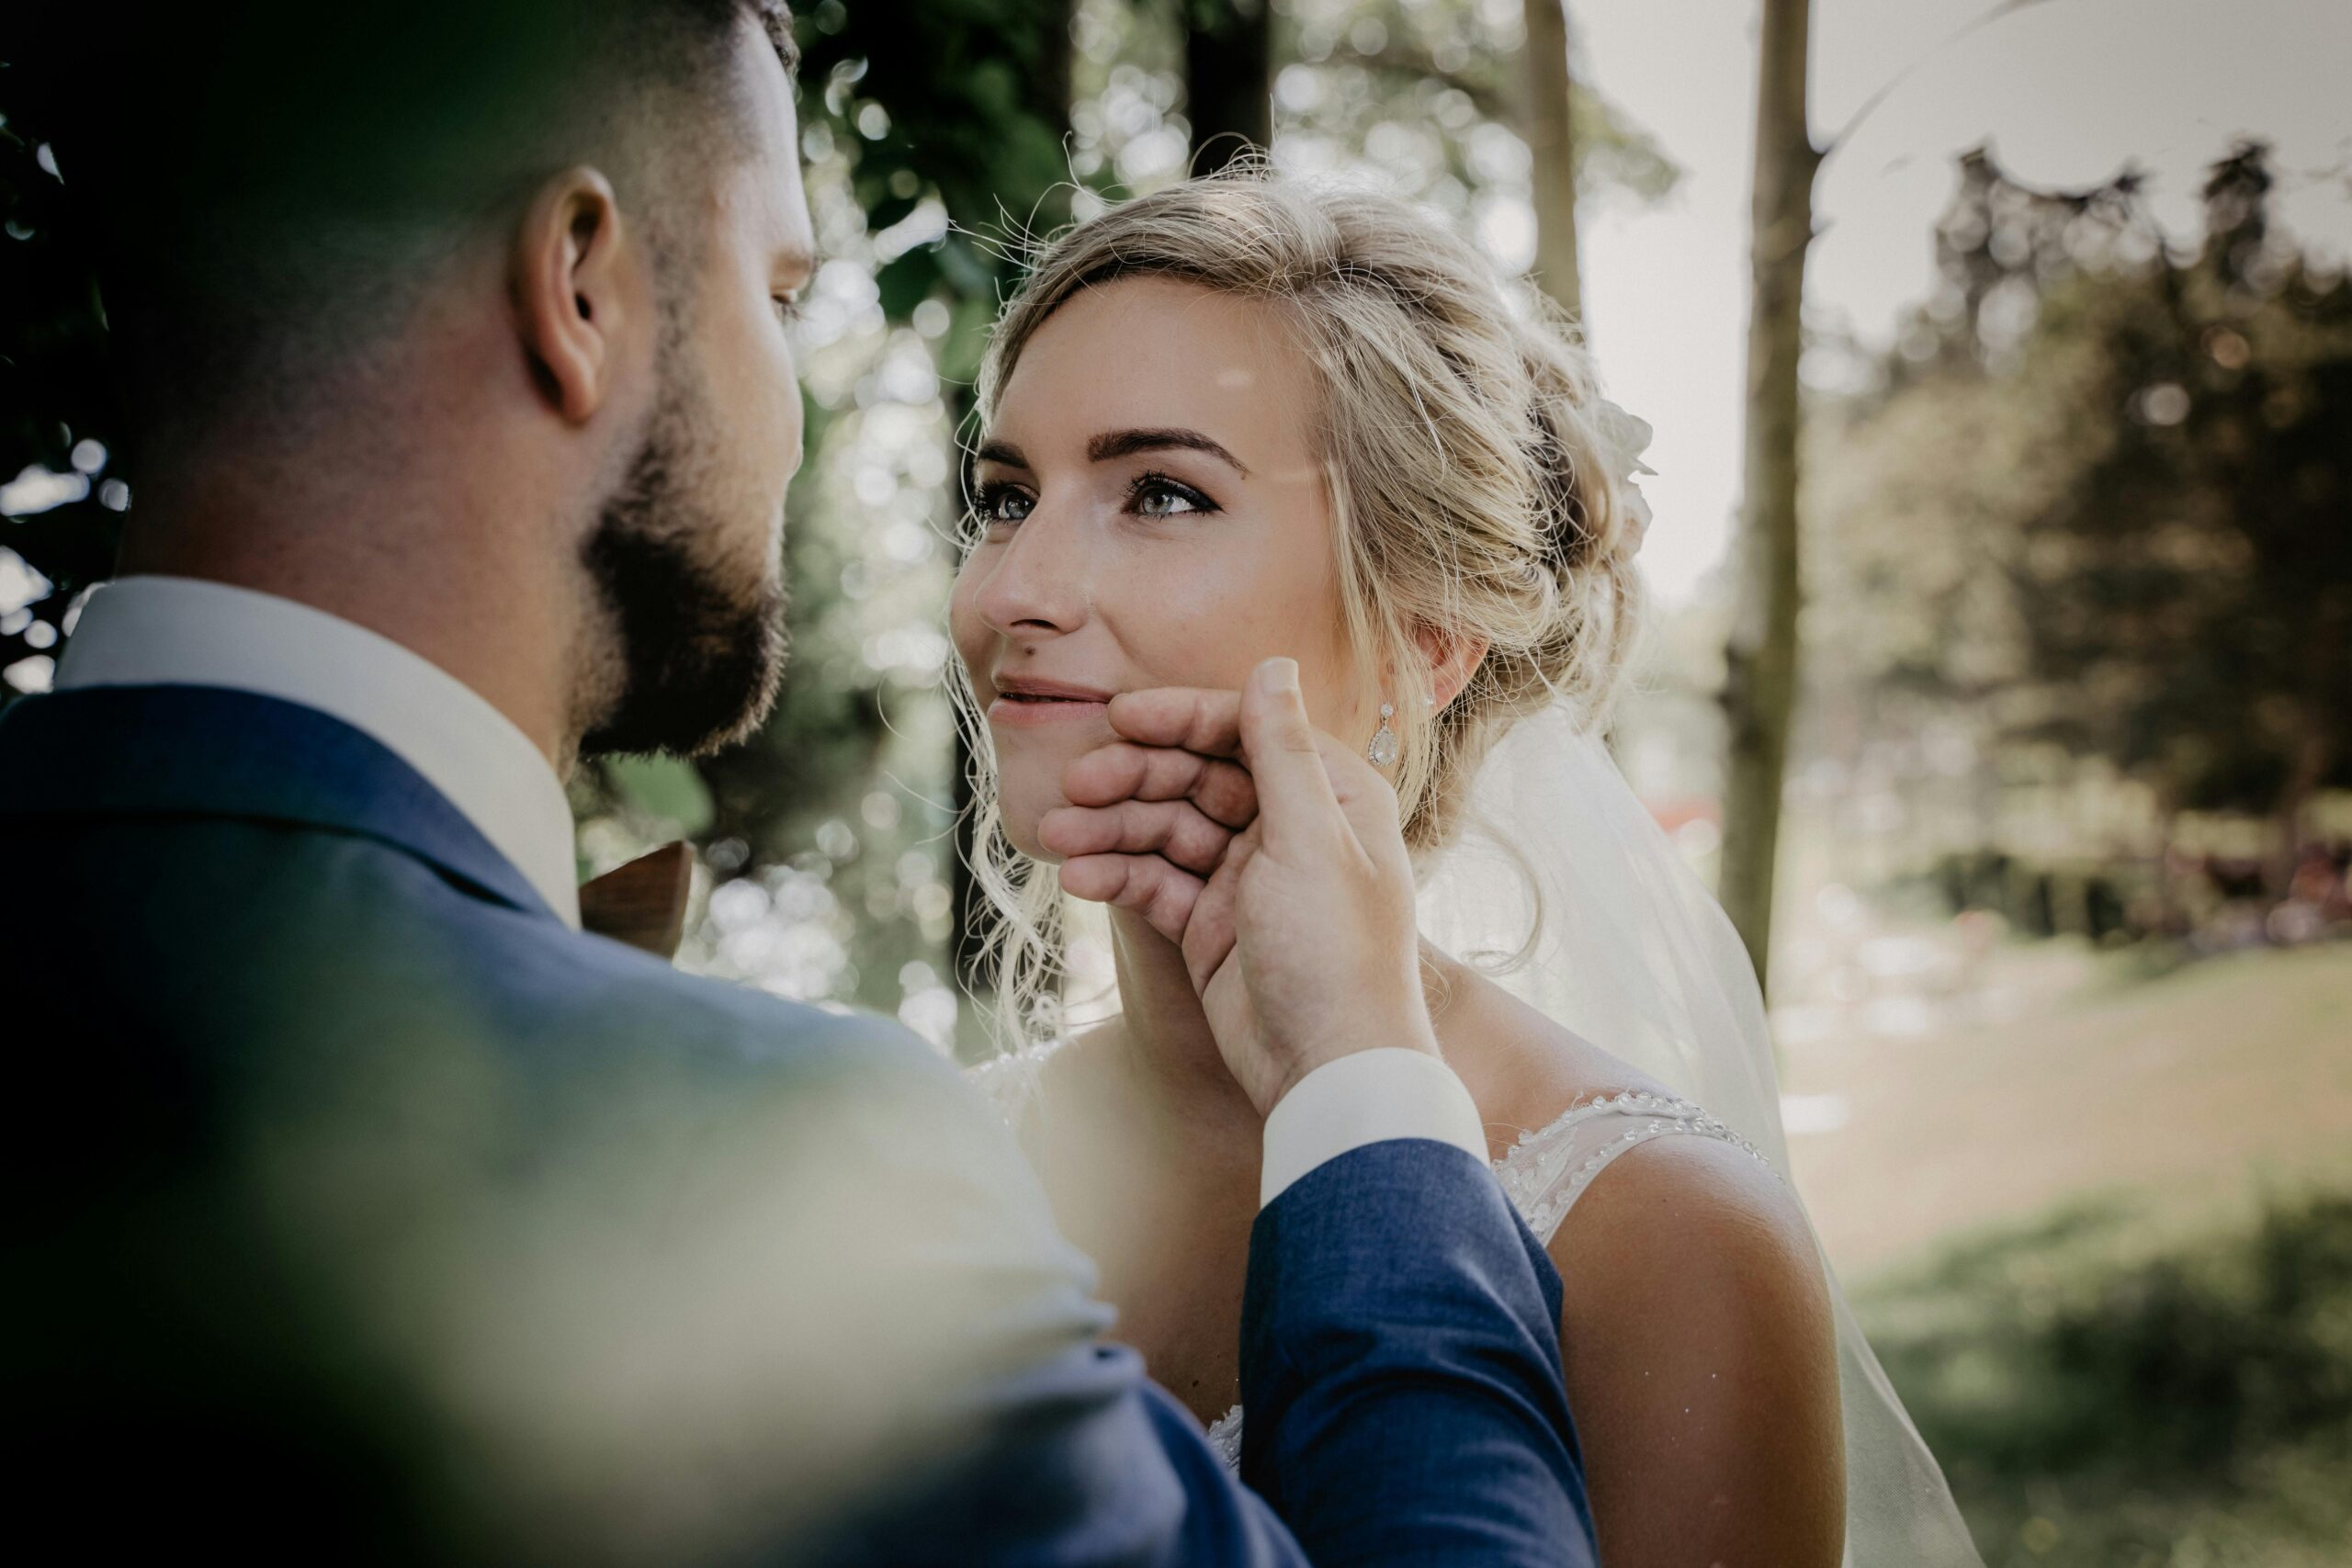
(1367, 1098)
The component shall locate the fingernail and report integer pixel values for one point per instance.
(1281, 674)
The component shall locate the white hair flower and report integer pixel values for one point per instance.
(1624, 437)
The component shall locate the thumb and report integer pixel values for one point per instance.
(1294, 798)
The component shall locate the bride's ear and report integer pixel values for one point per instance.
(1452, 659)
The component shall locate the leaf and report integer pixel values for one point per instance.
(666, 788)
(907, 282)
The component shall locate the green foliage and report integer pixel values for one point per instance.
(2196, 576)
(666, 790)
(2095, 1403)
(1422, 90)
(1613, 154)
(829, 835)
(2099, 501)
(973, 97)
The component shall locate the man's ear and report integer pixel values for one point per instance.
(1452, 659)
(572, 294)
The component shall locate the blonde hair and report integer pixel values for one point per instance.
(1472, 492)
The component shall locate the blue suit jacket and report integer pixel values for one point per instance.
(359, 1209)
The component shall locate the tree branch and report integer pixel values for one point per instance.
(1886, 89)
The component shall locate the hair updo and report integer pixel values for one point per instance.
(1474, 488)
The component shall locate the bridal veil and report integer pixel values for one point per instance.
(1565, 890)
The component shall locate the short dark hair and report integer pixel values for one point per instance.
(272, 181)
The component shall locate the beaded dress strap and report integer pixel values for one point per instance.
(1548, 1169)
(1008, 1082)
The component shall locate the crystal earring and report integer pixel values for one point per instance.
(1383, 750)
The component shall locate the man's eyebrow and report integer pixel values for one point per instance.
(1126, 442)
(1003, 452)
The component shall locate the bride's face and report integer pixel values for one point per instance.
(1153, 515)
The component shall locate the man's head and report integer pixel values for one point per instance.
(540, 245)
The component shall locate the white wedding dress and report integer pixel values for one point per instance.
(1543, 1173)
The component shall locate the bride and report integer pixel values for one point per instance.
(1250, 416)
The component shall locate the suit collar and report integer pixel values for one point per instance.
(179, 631)
(205, 752)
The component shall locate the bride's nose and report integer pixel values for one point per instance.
(1037, 584)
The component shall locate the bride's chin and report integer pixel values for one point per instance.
(1021, 832)
(1031, 850)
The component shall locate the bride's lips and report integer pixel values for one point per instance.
(1023, 701)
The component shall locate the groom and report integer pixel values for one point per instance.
(361, 1207)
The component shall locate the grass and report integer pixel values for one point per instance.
(2106, 1247)
(2098, 1403)
(2188, 1096)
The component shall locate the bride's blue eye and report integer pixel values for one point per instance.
(1156, 495)
(1002, 504)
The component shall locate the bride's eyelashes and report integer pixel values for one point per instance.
(1000, 505)
(1157, 495)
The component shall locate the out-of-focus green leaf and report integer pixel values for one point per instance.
(666, 788)
(906, 282)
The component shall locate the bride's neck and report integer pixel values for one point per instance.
(1170, 1051)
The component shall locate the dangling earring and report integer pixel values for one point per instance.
(1383, 750)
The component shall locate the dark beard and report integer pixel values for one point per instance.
(701, 653)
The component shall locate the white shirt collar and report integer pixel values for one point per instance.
(179, 631)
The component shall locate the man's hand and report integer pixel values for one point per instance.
(1271, 854)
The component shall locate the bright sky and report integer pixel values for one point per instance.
(2066, 90)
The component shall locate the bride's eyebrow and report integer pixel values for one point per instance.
(1128, 443)
(1001, 452)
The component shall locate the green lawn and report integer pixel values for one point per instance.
(2097, 1402)
(2107, 1257)
(2198, 1095)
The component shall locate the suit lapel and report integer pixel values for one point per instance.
(207, 752)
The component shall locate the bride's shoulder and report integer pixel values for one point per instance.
(1013, 1082)
(1599, 1156)
(1696, 1313)
(1016, 1083)
(1678, 1244)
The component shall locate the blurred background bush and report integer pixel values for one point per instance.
(2001, 672)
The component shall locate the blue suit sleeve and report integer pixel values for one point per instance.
(1401, 1368)
(1405, 1396)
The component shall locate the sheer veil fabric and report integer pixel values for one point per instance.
(1629, 950)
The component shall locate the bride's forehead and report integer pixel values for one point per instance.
(1146, 351)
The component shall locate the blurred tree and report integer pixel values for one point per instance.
(946, 121)
(1760, 657)
(2187, 599)
(1229, 79)
(1436, 95)
(1548, 125)
(2101, 502)
(975, 100)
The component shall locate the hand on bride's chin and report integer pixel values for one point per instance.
(1271, 854)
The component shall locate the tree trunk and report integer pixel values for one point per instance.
(2304, 771)
(1543, 121)
(1229, 79)
(1760, 657)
